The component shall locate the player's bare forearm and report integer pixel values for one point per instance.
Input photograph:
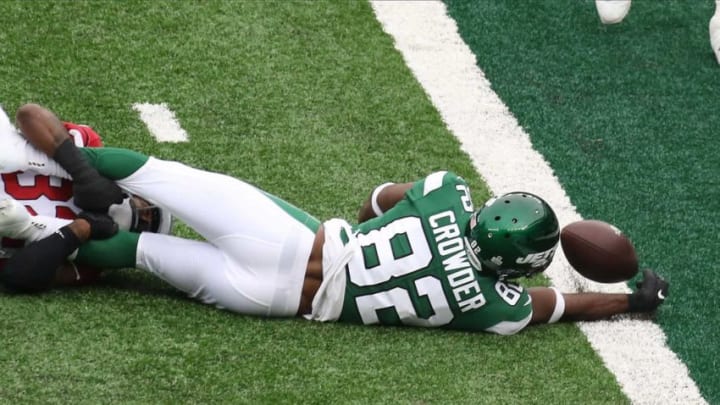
(577, 307)
(385, 199)
(593, 306)
(549, 305)
(41, 128)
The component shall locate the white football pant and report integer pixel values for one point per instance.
(255, 254)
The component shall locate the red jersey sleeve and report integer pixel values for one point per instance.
(83, 135)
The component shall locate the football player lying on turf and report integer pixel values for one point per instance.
(421, 255)
(52, 197)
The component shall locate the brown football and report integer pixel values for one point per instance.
(599, 251)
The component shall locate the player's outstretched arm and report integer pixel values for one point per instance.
(382, 198)
(550, 306)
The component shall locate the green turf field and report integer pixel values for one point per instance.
(311, 102)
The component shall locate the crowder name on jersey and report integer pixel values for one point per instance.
(460, 274)
(412, 261)
(412, 267)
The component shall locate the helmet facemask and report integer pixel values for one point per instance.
(136, 214)
(514, 235)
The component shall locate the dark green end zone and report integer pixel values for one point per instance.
(627, 116)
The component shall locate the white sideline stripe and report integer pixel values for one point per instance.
(161, 122)
(633, 349)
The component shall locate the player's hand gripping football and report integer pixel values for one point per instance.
(651, 292)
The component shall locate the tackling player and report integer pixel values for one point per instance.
(51, 198)
(48, 196)
(420, 256)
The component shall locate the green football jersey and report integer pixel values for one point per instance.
(414, 269)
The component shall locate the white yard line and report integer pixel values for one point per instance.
(161, 122)
(634, 350)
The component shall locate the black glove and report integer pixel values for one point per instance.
(651, 292)
(91, 191)
(96, 193)
(102, 226)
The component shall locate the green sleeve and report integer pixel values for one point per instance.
(114, 253)
(114, 163)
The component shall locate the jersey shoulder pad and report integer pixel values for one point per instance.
(83, 135)
(436, 181)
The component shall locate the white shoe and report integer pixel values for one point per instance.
(612, 11)
(715, 35)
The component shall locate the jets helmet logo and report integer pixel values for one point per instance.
(539, 259)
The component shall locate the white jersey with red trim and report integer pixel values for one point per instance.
(48, 195)
(40, 194)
